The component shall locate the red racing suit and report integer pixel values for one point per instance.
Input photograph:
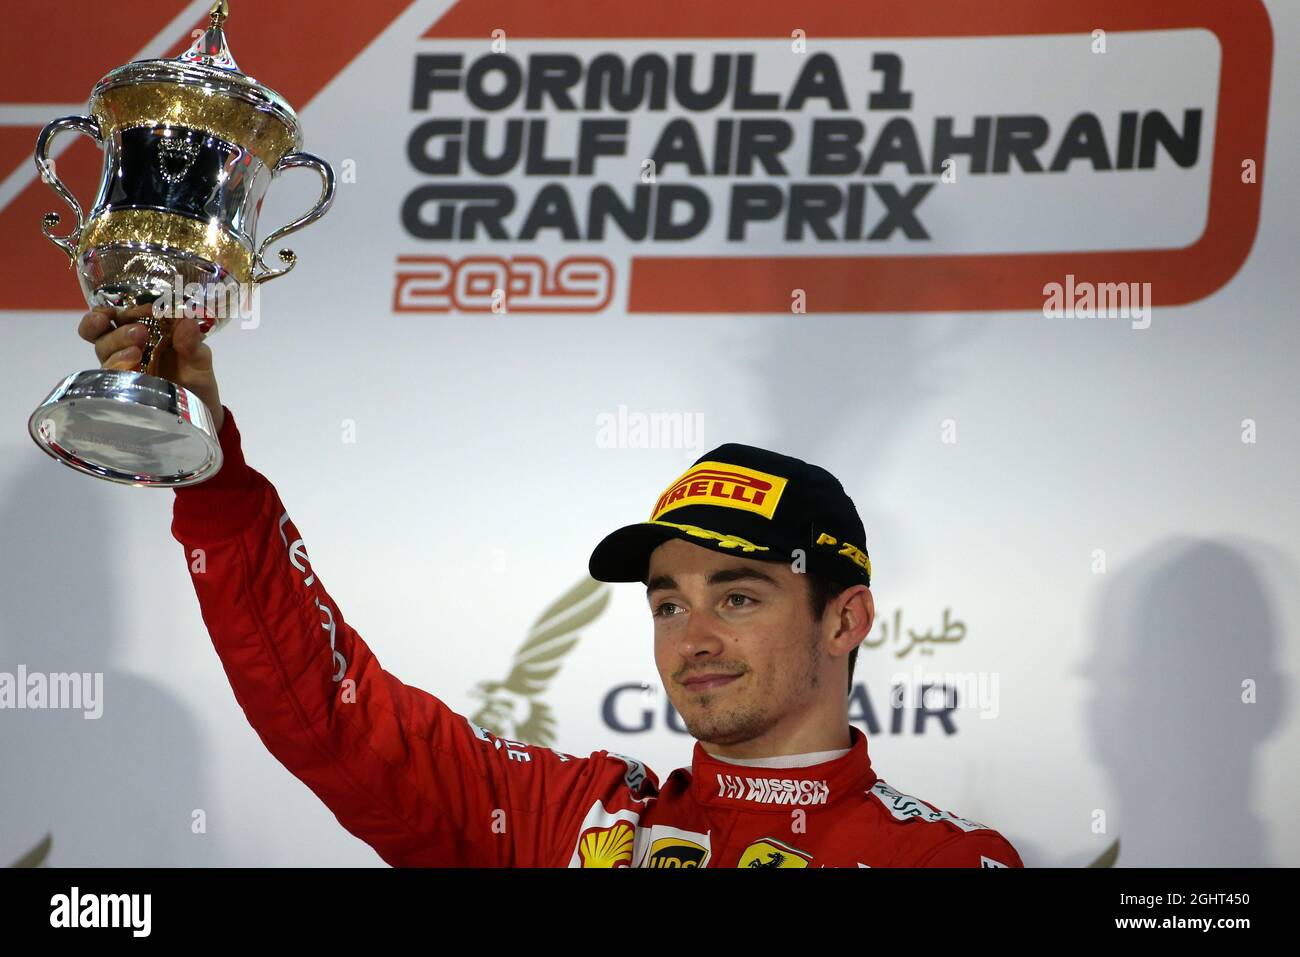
(423, 785)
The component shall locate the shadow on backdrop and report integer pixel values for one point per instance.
(881, 373)
(1176, 633)
(118, 790)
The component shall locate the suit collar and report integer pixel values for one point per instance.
(744, 787)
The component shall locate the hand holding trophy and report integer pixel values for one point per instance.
(119, 338)
(191, 145)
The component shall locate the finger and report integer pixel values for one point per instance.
(95, 323)
(136, 312)
(188, 342)
(124, 359)
(186, 337)
(129, 314)
(120, 338)
(100, 319)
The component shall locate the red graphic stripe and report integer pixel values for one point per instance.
(16, 144)
(749, 19)
(932, 283)
(296, 48)
(54, 52)
(1004, 282)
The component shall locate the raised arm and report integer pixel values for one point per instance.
(418, 782)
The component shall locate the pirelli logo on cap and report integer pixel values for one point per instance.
(718, 483)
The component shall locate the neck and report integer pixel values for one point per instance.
(791, 752)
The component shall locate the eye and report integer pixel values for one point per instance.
(736, 594)
(659, 609)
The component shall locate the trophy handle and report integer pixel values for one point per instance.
(287, 256)
(81, 124)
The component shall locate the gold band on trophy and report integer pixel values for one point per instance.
(171, 231)
(171, 104)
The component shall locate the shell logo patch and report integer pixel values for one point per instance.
(607, 846)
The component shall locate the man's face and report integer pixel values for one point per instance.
(748, 620)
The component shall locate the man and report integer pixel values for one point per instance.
(757, 578)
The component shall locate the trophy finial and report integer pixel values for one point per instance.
(210, 48)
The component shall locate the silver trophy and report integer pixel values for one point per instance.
(190, 147)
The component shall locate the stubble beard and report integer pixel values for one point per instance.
(714, 722)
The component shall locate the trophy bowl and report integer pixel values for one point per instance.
(191, 145)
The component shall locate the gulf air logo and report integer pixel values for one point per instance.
(719, 483)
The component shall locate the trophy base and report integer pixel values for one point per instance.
(128, 427)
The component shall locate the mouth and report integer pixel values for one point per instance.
(709, 683)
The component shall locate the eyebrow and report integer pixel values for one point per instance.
(661, 582)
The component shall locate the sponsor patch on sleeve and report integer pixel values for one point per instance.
(904, 807)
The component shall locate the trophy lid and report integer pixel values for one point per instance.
(210, 48)
(207, 64)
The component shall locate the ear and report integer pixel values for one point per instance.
(850, 616)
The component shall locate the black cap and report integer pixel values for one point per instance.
(753, 503)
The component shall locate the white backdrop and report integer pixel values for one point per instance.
(477, 485)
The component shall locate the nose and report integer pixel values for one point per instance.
(700, 637)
